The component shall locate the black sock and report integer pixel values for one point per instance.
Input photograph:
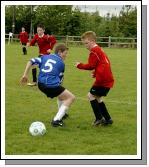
(104, 111)
(95, 107)
(34, 72)
(24, 50)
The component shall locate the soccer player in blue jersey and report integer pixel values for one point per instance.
(49, 80)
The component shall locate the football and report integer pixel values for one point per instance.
(37, 129)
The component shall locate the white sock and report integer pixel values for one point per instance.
(61, 112)
(59, 103)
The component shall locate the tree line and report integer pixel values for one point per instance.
(65, 20)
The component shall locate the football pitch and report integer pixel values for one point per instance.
(24, 105)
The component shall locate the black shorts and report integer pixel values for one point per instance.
(51, 92)
(24, 44)
(99, 91)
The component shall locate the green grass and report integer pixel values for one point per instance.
(25, 105)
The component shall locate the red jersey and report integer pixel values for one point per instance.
(23, 37)
(45, 42)
(99, 62)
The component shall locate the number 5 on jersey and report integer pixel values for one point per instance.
(49, 63)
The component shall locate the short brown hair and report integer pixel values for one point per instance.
(60, 47)
(89, 34)
(41, 26)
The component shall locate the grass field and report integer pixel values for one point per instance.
(25, 105)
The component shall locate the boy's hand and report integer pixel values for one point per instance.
(28, 44)
(77, 63)
(93, 74)
(49, 51)
(23, 80)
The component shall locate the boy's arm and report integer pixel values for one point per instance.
(92, 62)
(52, 41)
(24, 77)
(27, 37)
(33, 41)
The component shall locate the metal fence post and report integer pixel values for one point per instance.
(109, 43)
(66, 40)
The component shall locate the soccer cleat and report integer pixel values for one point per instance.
(97, 122)
(32, 84)
(65, 116)
(107, 122)
(57, 123)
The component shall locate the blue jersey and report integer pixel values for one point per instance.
(51, 69)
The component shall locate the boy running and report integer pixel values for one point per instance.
(49, 80)
(23, 36)
(100, 64)
(45, 44)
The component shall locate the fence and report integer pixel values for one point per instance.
(116, 42)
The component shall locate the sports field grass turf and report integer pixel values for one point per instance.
(25, 105)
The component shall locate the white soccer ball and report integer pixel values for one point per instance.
(37, 128)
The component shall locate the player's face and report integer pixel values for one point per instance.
(23, 29)
(40, 31)
(87, 43)
(64, 54)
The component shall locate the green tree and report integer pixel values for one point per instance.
(22, 18)
(128, 21)
(64, 20)
(53, 17)
(73, 25)
(8, 19)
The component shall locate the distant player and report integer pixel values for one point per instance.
(49, 80)
(45, 44)
(100, 64)
(10, 37)
(23, 36)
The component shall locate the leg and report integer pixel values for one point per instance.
(68, 98)
(104, 111)
(24, 50)
(59, 103)
(95, 107)
(34, 72)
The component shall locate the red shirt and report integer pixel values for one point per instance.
(23, 37)
(45, 42)
(99, 62)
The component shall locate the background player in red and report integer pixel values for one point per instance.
(100, 64)
(23, 36)
(45, 44)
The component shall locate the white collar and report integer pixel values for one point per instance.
(95, 45)
(41, 36)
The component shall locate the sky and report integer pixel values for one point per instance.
(103, 9)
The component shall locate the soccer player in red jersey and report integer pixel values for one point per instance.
(45, 44)
(100, 64)
(23, 36)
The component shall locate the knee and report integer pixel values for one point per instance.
(90, 96)
(99, 100)
(73, 98)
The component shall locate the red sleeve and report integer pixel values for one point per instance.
(27, 36)
(33, 41)
(92, 62)
(52, 41)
